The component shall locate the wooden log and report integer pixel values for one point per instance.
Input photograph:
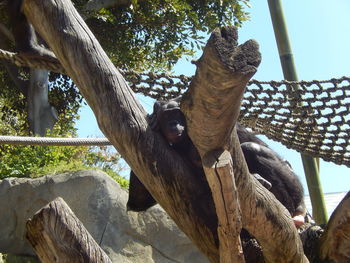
(123, 121)
(211, 106)
(217, 165)
(184, 196)
(335, 242)
(57, 235)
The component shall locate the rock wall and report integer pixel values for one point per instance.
(100, 203)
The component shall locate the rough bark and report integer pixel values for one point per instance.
(162, 171)
(335, 242)
(219, 173)
(41, 115)
(57, 235)
(213, 101)
(211, 107)
(122, 120)
(331, 244)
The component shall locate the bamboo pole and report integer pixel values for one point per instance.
(310, 164)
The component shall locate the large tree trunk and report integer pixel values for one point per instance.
(212, 107)
(122, 120)
(214, 100)
(41, 115)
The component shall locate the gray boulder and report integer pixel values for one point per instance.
(100, 203)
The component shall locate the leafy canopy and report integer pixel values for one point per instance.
(154, 34)
(136, 34)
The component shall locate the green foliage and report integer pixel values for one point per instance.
(154, 34)
(9, 258)
(119, 179)
(36, 161)
(141, 35)
(66, 99)
(63, 95)
(12, 116)
(33, 161)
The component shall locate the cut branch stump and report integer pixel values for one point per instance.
(57, 235)
(222, 73)
(218, 169)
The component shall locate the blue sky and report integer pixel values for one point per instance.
(320, 39)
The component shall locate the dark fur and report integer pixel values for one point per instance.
(273, 172)
(171, 123)
(139, 198)
(25, 37)
(261, 160)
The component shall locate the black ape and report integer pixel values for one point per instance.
(25, 37)
(171, 123)
(285, 185)
(168, 119)
(139, 197)
(270, 170)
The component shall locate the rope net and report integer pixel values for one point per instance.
(311, 117)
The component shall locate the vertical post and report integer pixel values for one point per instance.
(310, 164)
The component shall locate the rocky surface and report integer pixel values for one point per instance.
(100, 203)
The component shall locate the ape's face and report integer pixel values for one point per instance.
(173, 125)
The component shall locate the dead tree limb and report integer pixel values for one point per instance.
(335, 242)
(122, 120)
(57, 235)
(165, 175)
(212, 107)
(219, 173)
(213, 101)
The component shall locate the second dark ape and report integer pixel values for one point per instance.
(264, 164)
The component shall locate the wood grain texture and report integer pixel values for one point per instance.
(218, 85)
(57, 235)
(335, 242)
(219, 173)
(122, 119)
(211, 106)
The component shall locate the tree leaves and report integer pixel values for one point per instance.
(155, 34)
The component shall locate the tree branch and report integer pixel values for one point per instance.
(185, 197)
(57, 235)
(335, 241)
(212, 107)
(213, 100)
(122, 120)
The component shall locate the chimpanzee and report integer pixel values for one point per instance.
(170, 121)
(25, 37)
(265, 165)
(278, 173)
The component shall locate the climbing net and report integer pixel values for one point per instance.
(311, 117)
